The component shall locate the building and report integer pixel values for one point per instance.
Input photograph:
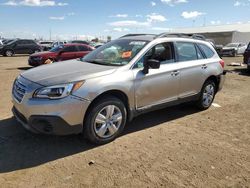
(221, 34)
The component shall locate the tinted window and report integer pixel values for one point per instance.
(186, 51)
(207, 51)
(29, 42)
(21, 42)
(70, 49)
(83, 48)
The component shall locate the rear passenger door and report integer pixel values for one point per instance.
(20, 47)
(191, 63)
(69, 52)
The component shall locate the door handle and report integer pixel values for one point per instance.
(175, 73)
(204, 66)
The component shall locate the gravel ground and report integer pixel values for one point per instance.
(173, 147)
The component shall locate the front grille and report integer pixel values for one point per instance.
(18, 90)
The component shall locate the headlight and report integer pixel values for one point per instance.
(57, 91)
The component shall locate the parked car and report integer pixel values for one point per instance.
(246, 59)
(19, 46)
(60, 53)
(98, 94)
(79, 42)
(46, 45)
(234, 49)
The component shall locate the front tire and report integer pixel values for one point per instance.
(207, 95)
(105, 120)
(9, 53)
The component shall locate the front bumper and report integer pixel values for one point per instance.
(46, 124)
(60, 117)
(222, 78)
(51, 116)
(34, 62)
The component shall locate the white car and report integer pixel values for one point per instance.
(234, 49)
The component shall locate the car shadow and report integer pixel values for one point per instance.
(242, 71)
(24, 68)
(20, 149)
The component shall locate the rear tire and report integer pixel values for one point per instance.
(105, 120)
(207, 95)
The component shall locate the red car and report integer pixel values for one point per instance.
(60, 53)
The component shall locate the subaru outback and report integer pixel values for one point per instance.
(98, 94)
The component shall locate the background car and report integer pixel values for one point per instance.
(80, 42)
(60, 53)
(19, 46)
(246, 59)
(46, 45)
(234, 49)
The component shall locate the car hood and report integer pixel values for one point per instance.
(44, 53)
(66, 72)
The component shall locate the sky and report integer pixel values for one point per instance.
(85, 19)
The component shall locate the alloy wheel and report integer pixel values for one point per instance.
(108, 121)
(208, 95)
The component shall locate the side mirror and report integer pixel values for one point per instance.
(151, 64)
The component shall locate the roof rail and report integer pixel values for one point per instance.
(136, 34)
(182, 35)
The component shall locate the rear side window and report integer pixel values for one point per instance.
(207, 51)
(83, 48)
(186, 51)
(70, 49)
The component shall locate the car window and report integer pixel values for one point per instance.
(83, 48)
(70, 49)
(199, 53)
(162, 52)
(186, 51)
(21, 42)
(207, 51)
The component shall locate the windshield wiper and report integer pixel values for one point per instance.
(100, 63)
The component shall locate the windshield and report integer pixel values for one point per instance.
(57, 48)
(232, 45)
(118, 52)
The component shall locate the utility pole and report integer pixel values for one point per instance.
(50, 34)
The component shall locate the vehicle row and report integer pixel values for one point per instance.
(10, 47)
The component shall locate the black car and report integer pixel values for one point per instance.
(19, 46)
(80, 42)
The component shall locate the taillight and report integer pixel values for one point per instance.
(222, 63)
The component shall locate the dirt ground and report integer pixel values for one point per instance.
(174, 147)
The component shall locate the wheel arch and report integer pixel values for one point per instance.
(215, 79)
(115, 93)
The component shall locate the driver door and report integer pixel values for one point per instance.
(161, 85)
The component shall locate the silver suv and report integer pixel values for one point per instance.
(98, 94)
